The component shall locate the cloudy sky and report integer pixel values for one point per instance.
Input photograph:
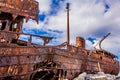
(91, 19)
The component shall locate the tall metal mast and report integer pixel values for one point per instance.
(68, 29)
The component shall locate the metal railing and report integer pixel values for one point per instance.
(12, 35)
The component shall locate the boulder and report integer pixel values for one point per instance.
(117, 78)
(110, 77)
(98, 76)
(95, 77)
(81, 76)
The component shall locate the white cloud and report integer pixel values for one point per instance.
(33, 24)
(86, 17)
(44, 5)
(57, 22)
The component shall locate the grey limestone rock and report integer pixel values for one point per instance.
(81, 76)
(98, 76)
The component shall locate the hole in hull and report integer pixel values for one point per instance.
(43, 75)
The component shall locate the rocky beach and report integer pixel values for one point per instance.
(98, 76)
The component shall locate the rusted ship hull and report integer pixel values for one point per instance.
(27, 62)
(24, 60)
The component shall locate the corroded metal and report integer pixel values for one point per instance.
(80, 42)
(24, 60)
(25, 8)
(68, 27)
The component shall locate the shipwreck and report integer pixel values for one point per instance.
(24, 60)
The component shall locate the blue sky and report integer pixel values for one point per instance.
(91, 19)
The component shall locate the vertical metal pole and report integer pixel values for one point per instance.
(68, 30)
(99, 68)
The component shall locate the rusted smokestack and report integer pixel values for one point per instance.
(80, 42)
